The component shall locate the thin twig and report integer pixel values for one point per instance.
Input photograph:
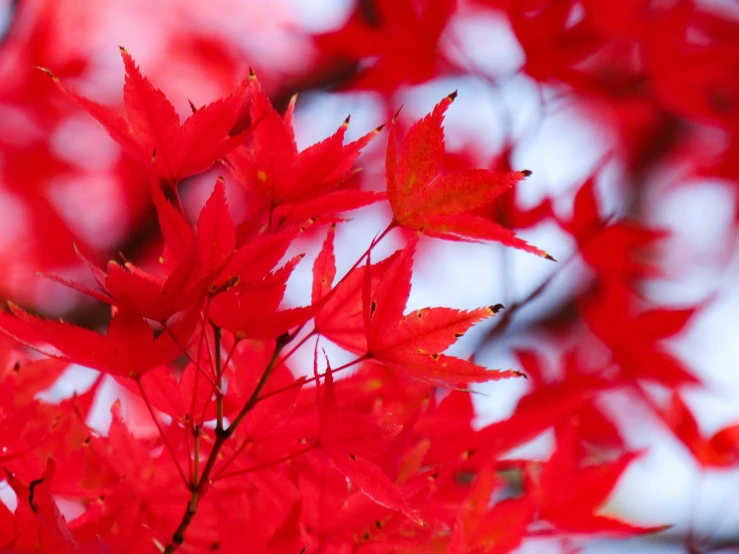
(304, 380)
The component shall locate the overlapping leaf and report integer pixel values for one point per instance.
(414, 343)
(129, 349)
(362, 472)
(153, 133)
(302, 184)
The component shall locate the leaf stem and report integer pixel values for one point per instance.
(158, 424)
(222, 435)
(187, 355)
(303, 380)
(374, 243)
(286, 457)
(505, 320)
(198, 358)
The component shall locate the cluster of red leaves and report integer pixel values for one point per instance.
(249, 449)
(244, 446)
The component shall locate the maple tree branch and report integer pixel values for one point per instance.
(505, 320)
(12, 11)
(233, 457)
(300, 343)
(215, 389)
(196, 453)
(197, 491)
(178, 536)
(713, 538)
(219, 378)
(190, 468)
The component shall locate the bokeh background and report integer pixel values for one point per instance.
(636, 101)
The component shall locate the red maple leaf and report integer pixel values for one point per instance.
(38, 524)
(596, 426)
(613, 249)
(635, 338)
(414, 343)
(153, 133)
(570, 491)
(300, 184)
(441, 205)
(719, 450)
(251, 310)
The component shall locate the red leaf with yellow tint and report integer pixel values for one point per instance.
(439, 205)
(272, 165)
